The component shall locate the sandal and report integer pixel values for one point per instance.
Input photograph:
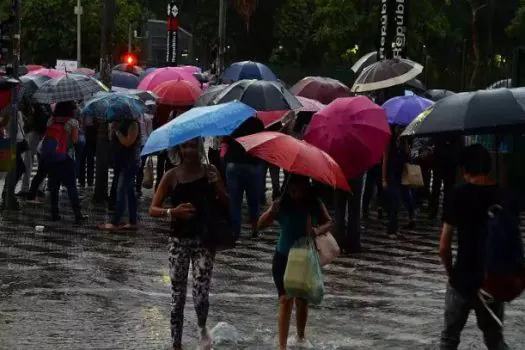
(109, 227)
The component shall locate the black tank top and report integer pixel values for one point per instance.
(198, 193)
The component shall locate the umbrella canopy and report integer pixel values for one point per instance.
(161, 75)
(483, 111)
(365, 61)
(416, 84)
(124, 79)
(191, 69)
(31, 83)
(127, 68)
(113, 106)
(438, 94)
(146, 72)
(52, 73)
(248, 70)
(385, 74)
(505, 83)
(322, 89)
(259, 94)
(210, 94)
(85, 71)
(71, 87)
(145, 96)
(272, 117)
(353, 130)
(402, 110)
(310, 105)
(295, 156)
(219, 120)
(177, 93)
(32, 67)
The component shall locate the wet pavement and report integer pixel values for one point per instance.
(79, 288)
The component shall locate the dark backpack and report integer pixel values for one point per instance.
(55, 142)
(504, 262)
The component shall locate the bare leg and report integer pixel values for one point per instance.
(285, 313)
(301, 316)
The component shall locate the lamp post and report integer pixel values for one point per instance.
(78, 12)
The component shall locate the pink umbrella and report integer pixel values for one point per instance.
(161, 75)
(310, 105)
(85, 71)
(191, 69)
(32, 67)
(52, 73)
(353, 130)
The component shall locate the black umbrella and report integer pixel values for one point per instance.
(416, 84)
(483, 111)
(438, 94)
(209, 95)
(261, 95)
(385, 74)
(365, 61)
(505, 83)
(31, 83)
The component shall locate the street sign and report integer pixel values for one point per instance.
(81, 10)
(66, 65)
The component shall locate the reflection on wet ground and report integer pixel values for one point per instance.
(71, 288)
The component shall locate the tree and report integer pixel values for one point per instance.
(246, 8)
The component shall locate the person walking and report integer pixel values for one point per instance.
(298, 206)
(464, 211)
(126, 146)
(194, 186)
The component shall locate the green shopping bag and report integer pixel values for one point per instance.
(7, 155)
(303, 277)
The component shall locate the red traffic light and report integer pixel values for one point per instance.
(130, 59)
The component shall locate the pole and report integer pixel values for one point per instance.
(10, 201)
(102, 159)
(129, 38)
(222, 37)
(79, 32)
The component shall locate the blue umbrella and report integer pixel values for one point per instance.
(124, 80)
(113, 106)
(248, 70)
(402, 110)
(218, 120)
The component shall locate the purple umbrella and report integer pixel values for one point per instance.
(402, 110)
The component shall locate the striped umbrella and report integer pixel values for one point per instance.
(71, 87)
(385, 74)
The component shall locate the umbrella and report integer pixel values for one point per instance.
(31, 83)
(191, 69)
(32, 67)
(71, 87)
(310, 105)
(113, 106)
(438, 94)
(259, 94)
(322, 89)
(295, 156)
(52, 73)
(272, 117)
(85, 71)
(22, 70)
(478, 112)
(402, 110)
(145, 96)
(353, 130)
(248, 70)
(161, 75)
(209, 95)
(416, 84)
(219, 120)
(365, 61)
(386, 73)
(177, 93)
(128, 68)
(146, 72)
(124, 79)
(505, 83)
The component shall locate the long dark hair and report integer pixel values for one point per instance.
(311, 201)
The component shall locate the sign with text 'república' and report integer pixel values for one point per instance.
(383, 31)
(173, 31)
(400, 18)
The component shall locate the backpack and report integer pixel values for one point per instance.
(55, 142)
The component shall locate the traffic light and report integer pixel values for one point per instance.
(130, 59)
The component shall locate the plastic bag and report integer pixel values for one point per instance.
(303, 277)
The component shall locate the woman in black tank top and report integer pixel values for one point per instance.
(193, 187)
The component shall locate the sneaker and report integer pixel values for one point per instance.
(205, 341)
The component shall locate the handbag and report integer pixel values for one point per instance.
(147, 181)
(412, 176)
(327, 247)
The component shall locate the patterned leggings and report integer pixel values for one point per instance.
(181, 252)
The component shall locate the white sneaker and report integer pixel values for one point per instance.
(205, 341)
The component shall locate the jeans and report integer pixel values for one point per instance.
(33, 139)
(349, 234)
(38, 179)
(243, 178)
(445, 174)
(398, 193)
(140, 174)
(126, 194)
(274, 175)
(63, 173)
(457, 310)
(87, 158)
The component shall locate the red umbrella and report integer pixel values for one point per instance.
(271, 117)
(32, 67)
(177, 93)
(295, 156)
(353, 130)
(322, 89)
